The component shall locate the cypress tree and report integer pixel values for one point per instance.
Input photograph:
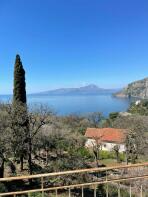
(19, 91)
(20, 120)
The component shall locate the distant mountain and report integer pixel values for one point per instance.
(137, 89)
(85, 90)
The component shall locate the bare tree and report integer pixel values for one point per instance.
(5, 137)
(96, 148)
(136, 140)
(18, 124)
(116, 149)
(22, 135)
(95, 119)
(38, 118)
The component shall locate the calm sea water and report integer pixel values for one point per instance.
(65, 105)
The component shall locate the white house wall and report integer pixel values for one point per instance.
(107, 146)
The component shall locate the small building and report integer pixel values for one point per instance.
(107, 138)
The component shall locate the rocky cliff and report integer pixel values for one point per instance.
(136, 89)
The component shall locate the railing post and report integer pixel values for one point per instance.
(95, 191)
(130, 191)
(106, 185)
(56, 192)
(42, 186)
(106, 176)
(69, 192)
(82, 191)
(107, 190)
(141, 192)
(119, 192)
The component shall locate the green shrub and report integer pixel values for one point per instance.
(113, 115)
(111, 155)
(107, 154)
(3, 188)
(85, 153)
(122, 156)
(38, 194)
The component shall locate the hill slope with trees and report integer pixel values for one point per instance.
(137, 89)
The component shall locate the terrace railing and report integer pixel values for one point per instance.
(131, 178)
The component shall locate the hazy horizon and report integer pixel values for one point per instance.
(58, 88)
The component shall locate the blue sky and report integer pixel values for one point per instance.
(69, 43)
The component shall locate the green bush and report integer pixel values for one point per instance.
(88, 154)
(113, 115)
(38, 194)
(3, 188)
(107, 155)
(122, 156)
(85, 153)
(111, 155)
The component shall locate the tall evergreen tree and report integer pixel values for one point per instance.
(19, 91)
(20, 120)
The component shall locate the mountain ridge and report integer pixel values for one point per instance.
(90, 89)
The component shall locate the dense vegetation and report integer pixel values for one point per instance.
(35, 140)
(137, 89)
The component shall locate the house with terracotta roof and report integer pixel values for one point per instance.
(107, 138)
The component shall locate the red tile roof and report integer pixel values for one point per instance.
(106, 134)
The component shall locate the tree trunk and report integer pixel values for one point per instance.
(96, 158)
(30, 156)
(117, 156)
(21, 163)
(2, 167)
(46, 157)
(30, 159)
(127, 158)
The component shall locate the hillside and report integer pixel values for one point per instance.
(85, 90)
(137, 89)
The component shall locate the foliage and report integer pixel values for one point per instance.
(95, 119)
(19, 122)
(64, 149)
(19, 91)
(136, 129)
(75, 123)
(38, 194)
(131, 147)
(49, 143)
(111, 155)
(3, 188)
(5, 146)
(108, 122)
(85, 153)
(116, 149)
(140, 108)
(113, 115)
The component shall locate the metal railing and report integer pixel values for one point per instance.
(123, 176)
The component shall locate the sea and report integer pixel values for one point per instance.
(77, 104)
